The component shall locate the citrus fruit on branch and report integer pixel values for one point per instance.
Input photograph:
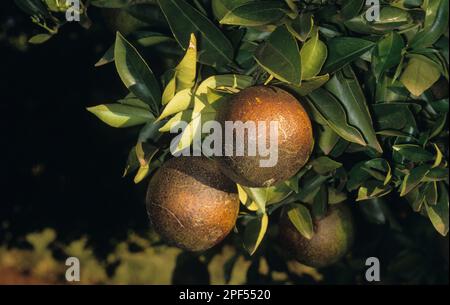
(295, 139)
(191, 204)
(332, 239)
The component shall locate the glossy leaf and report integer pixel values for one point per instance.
(307, 86)
(248, 13)
(413, 153)
(387, 53)
(436, 23)
(184, 73)
(118, 115)
(327, 139)
(225, 82)
(313, 55)
(301, 219)
(412, 180)
(439, 213)
(254, 232)
(351, 8)
(279, 56)
(136, 74)
(301, 27)
(344, 85)
(419, 75)
(39, 38)
(324, 165)
(344, 50)
(214, 48)
(372, 189)
(180, 102)
(334, 114)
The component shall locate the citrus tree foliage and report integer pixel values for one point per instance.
(372, 88)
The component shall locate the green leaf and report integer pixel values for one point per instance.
(301, 26)
(439, 156)
(430, 192)
(184, 74)
(180, 102)
(344, 85)
(327, 139)
(245, 199)
(419, 75)
(144, 153)
(334, 114)
(313, 55)
(222, 82)
(387, 53)
(344, 50)
(357, 176)
(351, 8)
(39, 38)
(174, 122)
(279, 192)
(413, 178)
(118, 115)
(279, 56)
(307, 86)
(248, 13)
(413, 152)
(258, 195)
(436, 23)
(134, 102)
(301, 219)
(132, 162)
(254, 233)
(372, 189)
(214, 48)
(379, 169)
(136, 74)
(439, 213)
(324, 165)
(145, 39)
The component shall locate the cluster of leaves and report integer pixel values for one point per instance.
(380, 128)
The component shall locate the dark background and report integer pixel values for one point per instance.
(62, 167)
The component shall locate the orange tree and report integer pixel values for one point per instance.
(373, 82)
